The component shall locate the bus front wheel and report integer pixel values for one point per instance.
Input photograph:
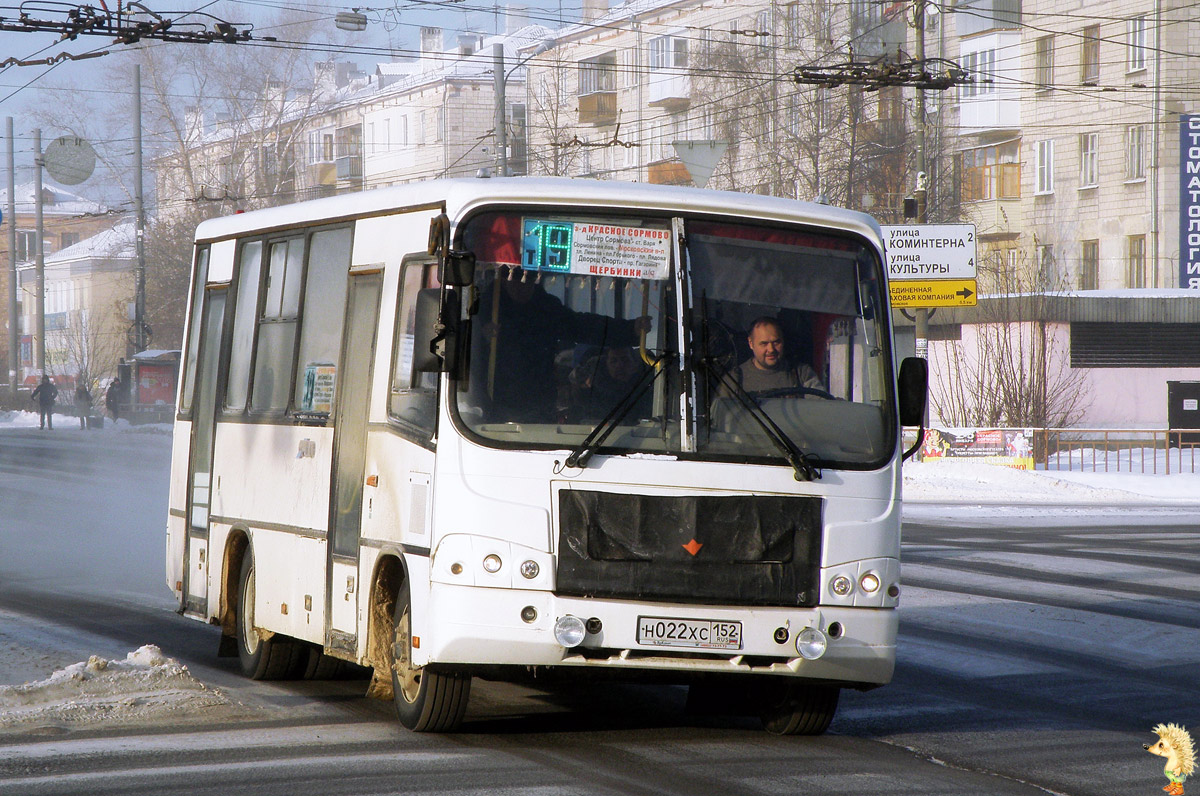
(426, 700)
(799, 709)
(273, 658)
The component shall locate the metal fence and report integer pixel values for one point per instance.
(1126, 450)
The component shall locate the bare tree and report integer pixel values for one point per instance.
(1015, 369)
(90, 344)
(550, 124)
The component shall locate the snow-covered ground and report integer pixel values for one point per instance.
(144, 686)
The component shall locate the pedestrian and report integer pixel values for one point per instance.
(112, 398)
(44, 394)
(83, 403)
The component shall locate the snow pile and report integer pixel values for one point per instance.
(19, 419)
(145, 686)
(970, 482)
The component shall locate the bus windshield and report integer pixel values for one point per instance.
(575, 326)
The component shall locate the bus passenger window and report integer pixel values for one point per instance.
(324, 306)
(412, 398)
(245, 312)
(277, 327)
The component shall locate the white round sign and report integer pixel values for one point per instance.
(69, 160)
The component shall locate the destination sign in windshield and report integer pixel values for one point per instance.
(596, 249)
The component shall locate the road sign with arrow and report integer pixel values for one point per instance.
(931, 265)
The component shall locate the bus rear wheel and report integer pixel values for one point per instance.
(427, 700)
(799, 709)
(273, 658)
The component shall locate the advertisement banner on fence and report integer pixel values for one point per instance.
(1011, 447)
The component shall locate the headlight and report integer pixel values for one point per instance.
(869, 583)
(811, 643)
(569, 631)
(842, 585)
(530, 569)
(492, 563)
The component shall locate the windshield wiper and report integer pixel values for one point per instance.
(580, 455)
(798, 459)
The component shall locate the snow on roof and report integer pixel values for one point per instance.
(115, 243)
(618, 15)
(55, 201)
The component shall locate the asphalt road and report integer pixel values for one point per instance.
(1035, 656)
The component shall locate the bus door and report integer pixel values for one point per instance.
(199, 490)
(351, 403)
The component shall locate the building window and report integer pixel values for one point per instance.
(981, 69)
(629, 67)
(1045, 167)
(1135, 152)
(598, 74)
(441, 125)
(26, 245)
(992, 172)
(1044, 63)
(1089, 60)
(667, 52)
(1089, 265)
(1135, 44)
(791, 25)
(66, 239)
(1089, 160)
(1135, 268)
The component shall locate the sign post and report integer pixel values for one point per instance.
(931, 265)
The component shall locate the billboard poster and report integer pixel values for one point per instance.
(1011, 447)
(1189, 201)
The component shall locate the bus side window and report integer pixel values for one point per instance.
(193, 339)
(322, 313)
(412, 398)
(277, 327)
(245, 312)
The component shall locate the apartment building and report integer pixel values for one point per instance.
(67, 218)
(627, 83)
(431, 116)
(1069, 140)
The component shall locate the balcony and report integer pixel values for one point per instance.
(349, 167)
(670, 91)
(668, 172)
(323, 173)
(598, 108)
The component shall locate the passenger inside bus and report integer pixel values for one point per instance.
(602, 379)
(523, 329)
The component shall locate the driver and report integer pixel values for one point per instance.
(767, 369)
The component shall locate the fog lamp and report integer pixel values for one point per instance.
(492, 563)
(811, 643)
(842, 585)
(869, 583)
(569, 631)
(530, 569)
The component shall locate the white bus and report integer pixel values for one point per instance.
(499, 427)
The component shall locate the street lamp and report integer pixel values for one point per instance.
(501, 81)
(350, 20)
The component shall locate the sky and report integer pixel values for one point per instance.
(48, 676)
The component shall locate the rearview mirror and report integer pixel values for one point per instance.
(458, 269)
(911, 389)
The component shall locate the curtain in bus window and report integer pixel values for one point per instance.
(245, 312)
(193, 342)
(324, 305)
(277, 329)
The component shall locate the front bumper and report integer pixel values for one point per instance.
(484, 626)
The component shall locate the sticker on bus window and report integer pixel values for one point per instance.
(596, 249)
(318, 388)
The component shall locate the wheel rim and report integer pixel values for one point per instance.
(249, 634)
(408, 677)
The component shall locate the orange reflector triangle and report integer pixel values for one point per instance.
(693, 547)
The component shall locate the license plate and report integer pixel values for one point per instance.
(704, 634)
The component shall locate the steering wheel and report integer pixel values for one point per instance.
(793, 392)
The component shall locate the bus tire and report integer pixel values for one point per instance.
(273, 658)
(319, 666)
(427, 700)
(799, 709)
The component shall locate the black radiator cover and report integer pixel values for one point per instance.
(748, 549)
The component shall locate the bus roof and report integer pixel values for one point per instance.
(459, 195)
